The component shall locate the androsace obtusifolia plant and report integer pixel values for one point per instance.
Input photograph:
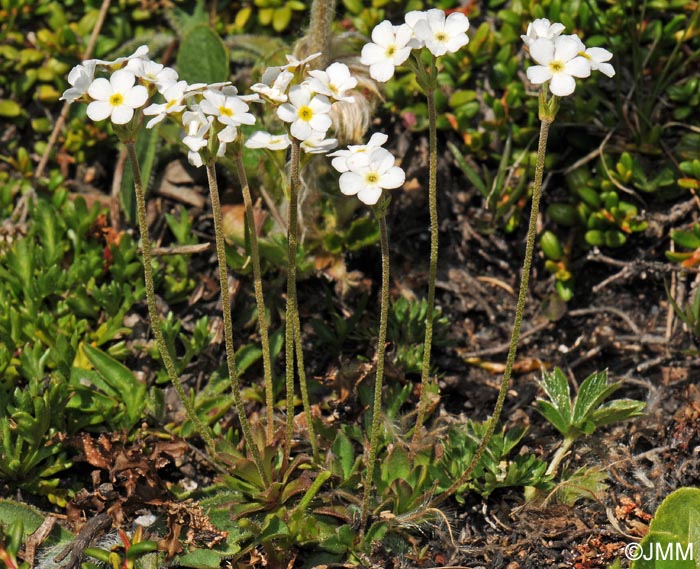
(213, 120)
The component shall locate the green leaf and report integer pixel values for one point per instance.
(202, 57)
(593, 391)
(120, 378)
(686, 239)
(676, 522)
(552, 414)
(556, 386)
(617, 410)
(9, 109)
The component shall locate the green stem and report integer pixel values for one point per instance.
(201, 428)
(303, 386)
(381, 347)
(432, 205)
(291, 309)
(559, 456)
(522, 294)
(228, 324)
(259, 298)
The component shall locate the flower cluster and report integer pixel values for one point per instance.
(303, 100)
(210, 115)
(367, 170)
(391, 45)
(561, 58)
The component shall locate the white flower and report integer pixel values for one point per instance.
(228, 110)
(439, 34)
(174, 103)
(412, 18)
(274, 84)
(389, 48)
(559, 62)
(80, 77)
(368, 178)
(197, 126)
(542, 28)
(333, 82)
(226, 135)
(262, 139)
(152, 72)
(319, 145)
(307, 112)
(340, 160)
(597, 56)
(293, 62)
(116, 98)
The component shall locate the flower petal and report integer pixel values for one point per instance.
(99, 110)
(136, 97)
(538, 74)
(562, 85)
(566, 48)
(122, 80)
(542, 51)
(606, 69)
(369, 195)
(350, 183)
(122, 114)
(578, 67)
(382, 71)
(394, 178)
(383, 33)
(100, 89)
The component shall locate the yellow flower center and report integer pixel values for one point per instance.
(305, 113)
(390, 51)
(556, 66)
(372, 178)
(171, 104)
(225, 111)
(440, 37)
(116, 99)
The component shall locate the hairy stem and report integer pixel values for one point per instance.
(381, 347)
(303, 386)
(522, 294)
(320, 28)
(200, 427)
(291, 309)
(432, 205)
(259, 298)
(228, 324)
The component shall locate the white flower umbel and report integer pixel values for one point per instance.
(307, 113)
(559, 62)
(275, 83)
(80, 78)
(116, 98)
(228, 110)
(174, 103)
(389, 48)
(340, 157)
(542, 28)
(441, 34)
(262, 139)
(333, 82)
(319, 145)
(597, 57)
(369, 176)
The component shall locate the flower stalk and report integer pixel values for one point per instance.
(430, 84)
(547, 112)
(291, 307)
(203, 430)
(259, 297)
(228, 324)
(380, 213)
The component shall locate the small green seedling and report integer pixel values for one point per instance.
(584, 414)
